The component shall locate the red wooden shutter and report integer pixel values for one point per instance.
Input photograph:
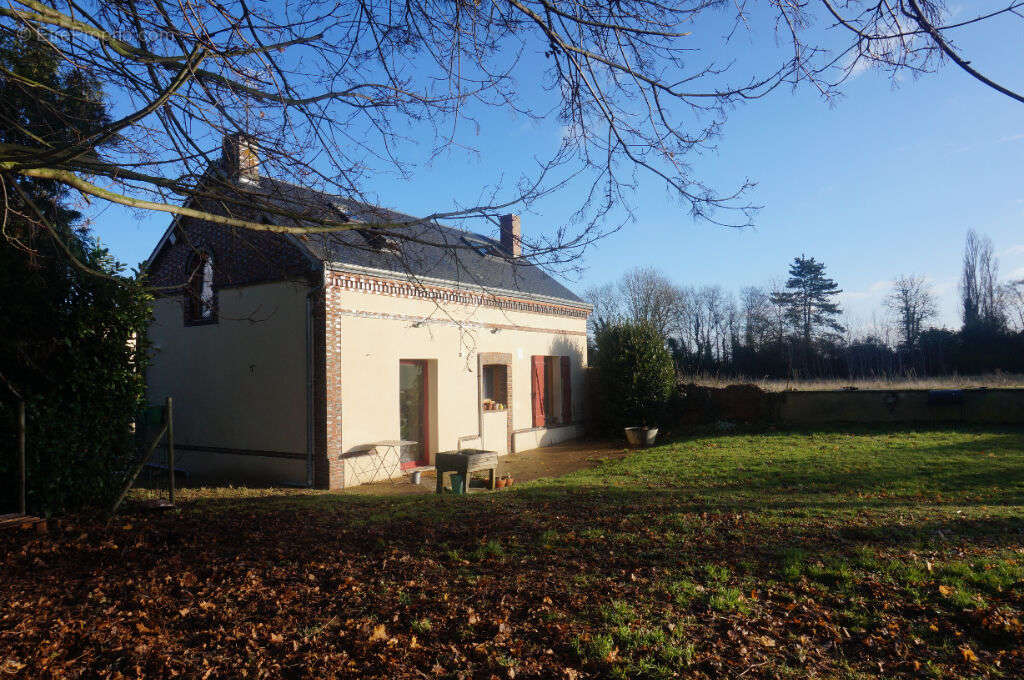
(566, 392)
(537, 389)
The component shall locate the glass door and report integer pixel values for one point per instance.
(412, 407)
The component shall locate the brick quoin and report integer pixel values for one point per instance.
(328, 467)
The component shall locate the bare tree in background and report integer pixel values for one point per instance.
(912, 303)
(761, 325)
(648, 296)
(778, 321)
(336, 94)
(979, 284)
(643, 295)
(709, 324)
(1013, 299)
(606, 300)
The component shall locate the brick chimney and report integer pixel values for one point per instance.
(511, 235)
(240, 156)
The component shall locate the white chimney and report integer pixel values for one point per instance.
(240, 156)
(511, 235)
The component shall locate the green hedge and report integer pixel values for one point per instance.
(635, 376)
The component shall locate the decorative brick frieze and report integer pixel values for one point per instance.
(407, 289)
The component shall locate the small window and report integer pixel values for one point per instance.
(200, 296)
(482, 247)
(495, 378)
(379, 240)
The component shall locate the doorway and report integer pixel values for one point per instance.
(413, 410)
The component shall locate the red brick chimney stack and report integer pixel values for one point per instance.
(511, 235)
(241, 158)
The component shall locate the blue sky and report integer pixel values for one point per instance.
(885, 181)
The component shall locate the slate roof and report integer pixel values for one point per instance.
(428, 250)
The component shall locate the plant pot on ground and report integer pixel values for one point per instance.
(641, 437)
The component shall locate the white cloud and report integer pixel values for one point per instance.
(875, 290)
(941, 288)
(1012, 251)
(857, 66)
(1012, 138)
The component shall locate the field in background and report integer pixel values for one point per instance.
(880, 383)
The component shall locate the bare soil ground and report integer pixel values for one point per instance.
(525, 466)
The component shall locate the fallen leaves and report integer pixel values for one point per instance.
(10, 666)
(377, 589)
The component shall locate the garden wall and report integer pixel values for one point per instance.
(748, 403)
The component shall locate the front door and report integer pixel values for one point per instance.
(412, 409)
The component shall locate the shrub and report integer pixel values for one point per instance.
(635, 376)
(71, 348)
(72, 330)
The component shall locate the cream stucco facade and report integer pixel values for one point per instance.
(379, 331)
(238, 385)
(245, 402)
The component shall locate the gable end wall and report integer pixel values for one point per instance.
(241, 257)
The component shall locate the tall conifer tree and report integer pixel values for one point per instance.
(809, 300)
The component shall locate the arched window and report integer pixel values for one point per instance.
(200, 296)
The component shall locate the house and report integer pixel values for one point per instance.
(303, 359)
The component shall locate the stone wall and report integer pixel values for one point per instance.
(996, 406)
(749, 404)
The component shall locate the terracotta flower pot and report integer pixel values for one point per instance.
(501, 483)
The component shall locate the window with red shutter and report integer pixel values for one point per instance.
(537, 389)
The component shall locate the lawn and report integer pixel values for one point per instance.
(780, 554)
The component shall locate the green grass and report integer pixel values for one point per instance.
(776, 554)
(421, 626)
